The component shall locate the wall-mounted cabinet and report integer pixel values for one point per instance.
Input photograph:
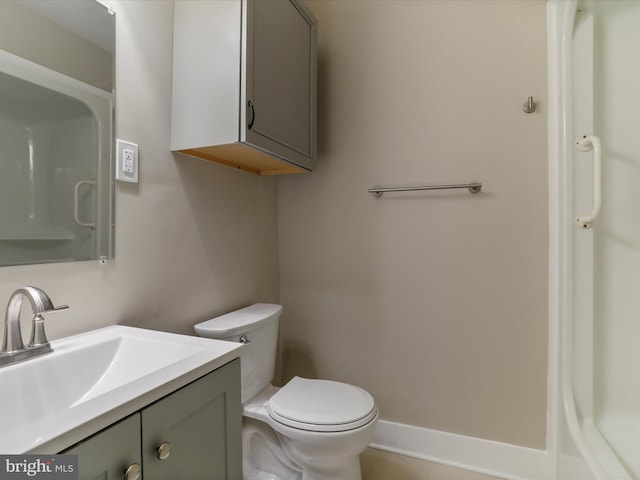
(244, 84)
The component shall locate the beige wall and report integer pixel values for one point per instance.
(434, 302)
(193, 239)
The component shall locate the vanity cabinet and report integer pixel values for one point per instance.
(193, 433)
(110, 453)
(244, 84)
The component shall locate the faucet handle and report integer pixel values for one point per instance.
(38, 337)
(55, 309)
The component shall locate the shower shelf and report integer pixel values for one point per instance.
(52, 234)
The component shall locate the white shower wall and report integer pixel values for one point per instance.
(45, 152)
(598, 267)
(617, 240)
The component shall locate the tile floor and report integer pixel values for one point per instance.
(379, 465)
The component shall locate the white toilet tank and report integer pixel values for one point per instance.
(258, 324)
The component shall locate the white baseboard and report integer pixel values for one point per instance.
(484, 456)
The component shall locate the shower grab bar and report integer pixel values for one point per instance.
(473, 187)
(91, 183)
(586, 144)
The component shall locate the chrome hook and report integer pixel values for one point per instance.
(529, 106)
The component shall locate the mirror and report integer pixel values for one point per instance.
(57, 99)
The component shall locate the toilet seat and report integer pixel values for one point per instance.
(321, 405)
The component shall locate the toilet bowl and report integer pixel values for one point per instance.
(306, 430)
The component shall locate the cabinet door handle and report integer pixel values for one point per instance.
(133, 472)
(163, 451)
(253, 114)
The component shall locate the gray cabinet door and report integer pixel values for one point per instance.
(108, 454)
(281, 80)
(202, 422)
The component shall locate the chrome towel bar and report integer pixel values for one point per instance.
(473, 187)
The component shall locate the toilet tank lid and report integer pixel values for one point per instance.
(238, 321)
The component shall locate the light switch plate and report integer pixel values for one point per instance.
(127, 161)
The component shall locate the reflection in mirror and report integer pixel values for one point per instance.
(56, 124)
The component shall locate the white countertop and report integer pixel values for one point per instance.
(94, 379)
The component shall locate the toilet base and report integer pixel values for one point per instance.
(268, 455)
(262, 454)
(347, 471)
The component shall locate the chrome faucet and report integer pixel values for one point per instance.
(13, 349)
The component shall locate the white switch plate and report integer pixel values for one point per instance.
(127, 161)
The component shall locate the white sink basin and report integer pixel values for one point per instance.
(93, 379)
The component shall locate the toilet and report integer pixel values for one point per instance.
(306, 430)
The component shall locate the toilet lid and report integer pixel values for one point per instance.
(322, 405)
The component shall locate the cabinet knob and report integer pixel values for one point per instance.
(133, 472)
(164, 450)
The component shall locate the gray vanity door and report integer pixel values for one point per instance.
(281, 80)
(110, 453)
(197, 429)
